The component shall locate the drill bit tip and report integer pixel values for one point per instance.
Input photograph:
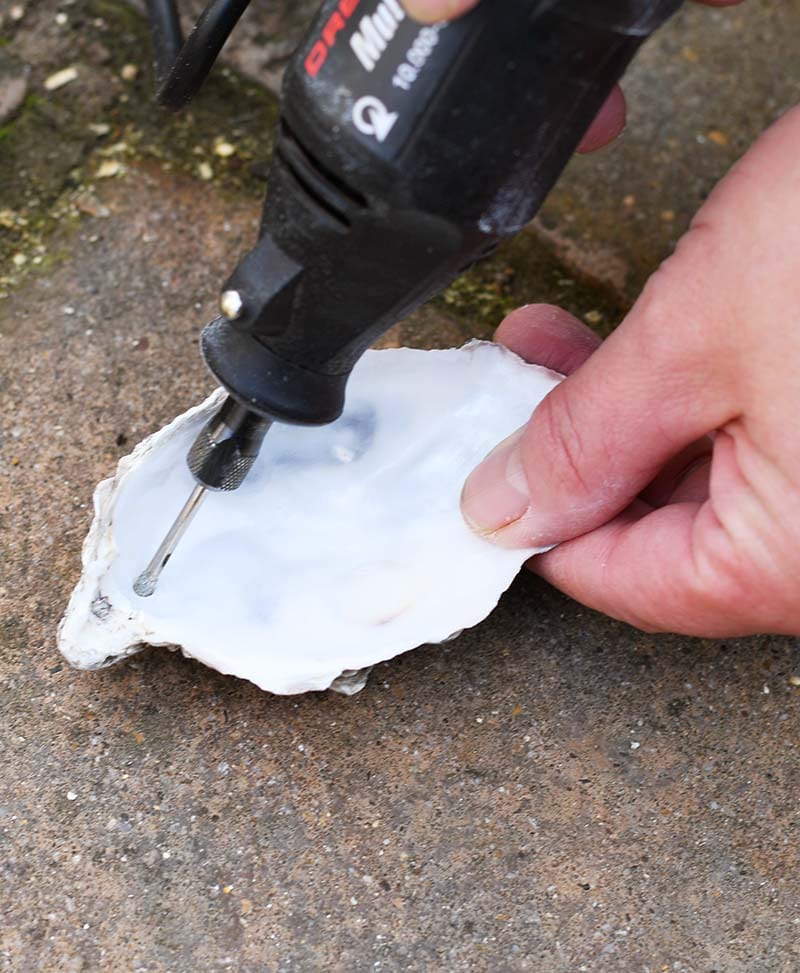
(146, 583)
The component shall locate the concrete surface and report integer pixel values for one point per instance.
(551, 792)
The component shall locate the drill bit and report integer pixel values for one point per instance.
(145, 584)
(220, 458)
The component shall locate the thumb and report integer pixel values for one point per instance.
(603, 434)
(429, 11)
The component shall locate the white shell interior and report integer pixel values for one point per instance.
(344, 547)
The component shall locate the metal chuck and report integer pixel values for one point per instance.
(220, 458)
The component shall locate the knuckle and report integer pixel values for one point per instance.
(683, 340)
(732, 590)
(565, 456)
(675, 300)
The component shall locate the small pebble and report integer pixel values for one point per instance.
(16, 12)
(794, 680)
(72, 796)
(223, 149)
(60, 78)
(19, 260)
(205, 171)
(635, 745)
(109, 168)
(668, 215)
(61, 18)
(129, 72)
(717, 137)
(99, 128)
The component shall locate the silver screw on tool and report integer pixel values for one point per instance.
(231, 304)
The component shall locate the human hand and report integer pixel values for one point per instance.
(667, 465)
(610, 119)
(429, 11)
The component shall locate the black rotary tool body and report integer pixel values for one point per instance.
(404, 153)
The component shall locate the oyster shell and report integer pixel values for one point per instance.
(344, 547)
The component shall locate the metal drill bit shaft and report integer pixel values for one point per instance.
(145, 584)
(221, 456)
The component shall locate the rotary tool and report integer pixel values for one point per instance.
(403, 154)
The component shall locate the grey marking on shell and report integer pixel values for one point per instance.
(347, 439)
(101, 607)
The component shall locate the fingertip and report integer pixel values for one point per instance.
(548, 335)
(495, 493)
(429, 11)
(608, 124)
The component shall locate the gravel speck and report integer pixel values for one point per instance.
(61, 78)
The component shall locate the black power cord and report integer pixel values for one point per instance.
(182, 66)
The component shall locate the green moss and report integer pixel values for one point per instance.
(526, 270)
(49, 155)
(229, 108)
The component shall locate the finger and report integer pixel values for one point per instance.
(429, 11)
(608, 124)
(603, 434)
(548, 335)
(642, 569)
(675, 569)
(694, 485)
(675, 472)
(712, 568)
(625, 569)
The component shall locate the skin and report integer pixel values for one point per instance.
(429, 11)
(666, 467)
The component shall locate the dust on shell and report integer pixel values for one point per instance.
(343, 548)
